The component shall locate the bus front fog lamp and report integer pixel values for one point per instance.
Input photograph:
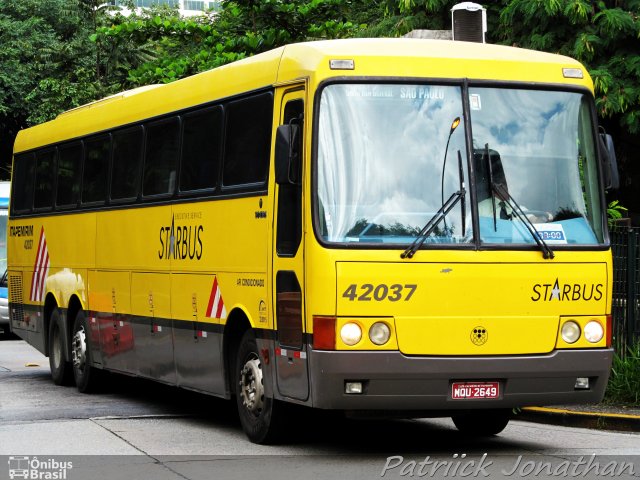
(379, 333)
(582, 383)
(350, 333)
(593, 331)
(353, 388)
(570, 331)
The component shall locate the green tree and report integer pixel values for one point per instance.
(47, 64)
(176, 47)
(603, 35)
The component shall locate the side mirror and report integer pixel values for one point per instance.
(288, 154)
(607, 150)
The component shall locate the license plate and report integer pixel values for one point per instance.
(473, 390)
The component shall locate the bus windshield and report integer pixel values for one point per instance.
(390, 155)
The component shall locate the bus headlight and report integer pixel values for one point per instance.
(570, 332)
(350, 333)
(593, 331)
(379, 333)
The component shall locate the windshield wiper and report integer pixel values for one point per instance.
(487, 154)
(441, 214)
(502, 192)
(433, 223)
(463, 206)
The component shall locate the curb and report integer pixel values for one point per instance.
(574, 418)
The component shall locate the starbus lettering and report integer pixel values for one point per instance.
(181, 242)
(568, 292)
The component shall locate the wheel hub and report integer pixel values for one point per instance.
(251, 387)
(79, 349)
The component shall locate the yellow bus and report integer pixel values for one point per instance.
(372, 225)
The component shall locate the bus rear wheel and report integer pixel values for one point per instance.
(85, 375)
(61, 370)
(260, 415)
(482, 423)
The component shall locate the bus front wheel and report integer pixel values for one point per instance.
(482, 423)
(85, 375)
(60, 368)
(260, 415)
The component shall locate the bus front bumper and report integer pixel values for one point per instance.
(393, 381)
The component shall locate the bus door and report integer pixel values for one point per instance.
(288, 273)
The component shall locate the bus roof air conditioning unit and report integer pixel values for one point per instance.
(469, 22)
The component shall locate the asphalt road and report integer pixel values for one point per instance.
(138, 429)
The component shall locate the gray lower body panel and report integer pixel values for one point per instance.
(393, 381)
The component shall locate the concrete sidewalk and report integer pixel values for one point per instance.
(598, 416)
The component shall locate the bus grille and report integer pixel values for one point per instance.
(15, 297)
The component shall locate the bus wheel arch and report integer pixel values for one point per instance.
(237, 324)
(87, 376)
(57, 345)
(262, 416)
(50, 304)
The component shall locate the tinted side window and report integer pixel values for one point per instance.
(69, 169)
(201, 138)
(127, 159)
(248, 140)
(161, 157)
(22, 182)
(45, 174)
(96, 169)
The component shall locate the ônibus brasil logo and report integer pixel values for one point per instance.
(38, 469)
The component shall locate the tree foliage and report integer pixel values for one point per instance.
(603, 35)
(174, 47)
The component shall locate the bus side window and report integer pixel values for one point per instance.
(45, 169)
(248, 140)
(96, 169)
(127, 160)
(23, 178)
(201, 142)
(69, 169)
(161, 157)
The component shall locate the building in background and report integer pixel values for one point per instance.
(186, 7)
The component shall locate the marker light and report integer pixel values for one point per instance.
(324, 333)
(342, 64)
(379, 333)
(572, 73)
(593, 331)
(570, 332)
(350, 333)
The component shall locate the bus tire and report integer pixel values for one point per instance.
(260, 415)
(482, 423)
(85, 375)
(61, 370)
